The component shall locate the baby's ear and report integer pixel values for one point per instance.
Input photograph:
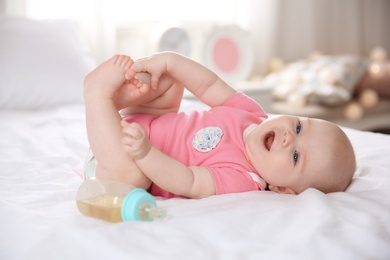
(282, 190)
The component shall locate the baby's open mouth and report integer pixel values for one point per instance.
(269, 139)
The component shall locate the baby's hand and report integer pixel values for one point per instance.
(155, 65)
(135, 140)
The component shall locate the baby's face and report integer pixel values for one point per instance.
(287, 151)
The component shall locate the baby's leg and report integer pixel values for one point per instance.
(103, 123)
(109, 76)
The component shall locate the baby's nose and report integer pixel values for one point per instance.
(287, 138)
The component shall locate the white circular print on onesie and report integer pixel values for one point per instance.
(207, 139)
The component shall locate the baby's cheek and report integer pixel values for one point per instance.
(276, 164)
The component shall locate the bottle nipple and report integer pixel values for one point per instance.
(140, 205)
(148, 212)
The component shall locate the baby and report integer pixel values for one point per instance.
(233, 147)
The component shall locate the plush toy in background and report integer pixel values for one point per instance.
(350, 81)
(320, 79)
(374, 83)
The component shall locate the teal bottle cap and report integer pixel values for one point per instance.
(132, 203)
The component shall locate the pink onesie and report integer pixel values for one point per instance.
(212, 139)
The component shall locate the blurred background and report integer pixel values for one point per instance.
(317, 58)
(276, 28)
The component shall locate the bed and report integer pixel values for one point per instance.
(43, 145)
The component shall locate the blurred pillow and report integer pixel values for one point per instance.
(327, 80)
(42, 63)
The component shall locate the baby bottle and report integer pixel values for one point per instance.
(115, 201)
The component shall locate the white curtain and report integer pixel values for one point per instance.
(290, 29)
(98, 29)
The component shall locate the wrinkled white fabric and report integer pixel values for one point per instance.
(41, 160)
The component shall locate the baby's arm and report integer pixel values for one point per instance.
(164, 171)
(199, 80)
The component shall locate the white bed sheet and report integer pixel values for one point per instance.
(41, 159)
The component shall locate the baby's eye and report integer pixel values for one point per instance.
(295, 157)
(298, 128)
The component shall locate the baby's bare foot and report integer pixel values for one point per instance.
(108, 76)
(136, 82)
(129, 93)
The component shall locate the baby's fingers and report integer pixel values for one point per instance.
(129, 74)
(133, 130)
(143, 65)
(124, 123)
(128, 128)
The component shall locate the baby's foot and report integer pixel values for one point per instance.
(136, 82)
(109, 76)
(130, 93)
